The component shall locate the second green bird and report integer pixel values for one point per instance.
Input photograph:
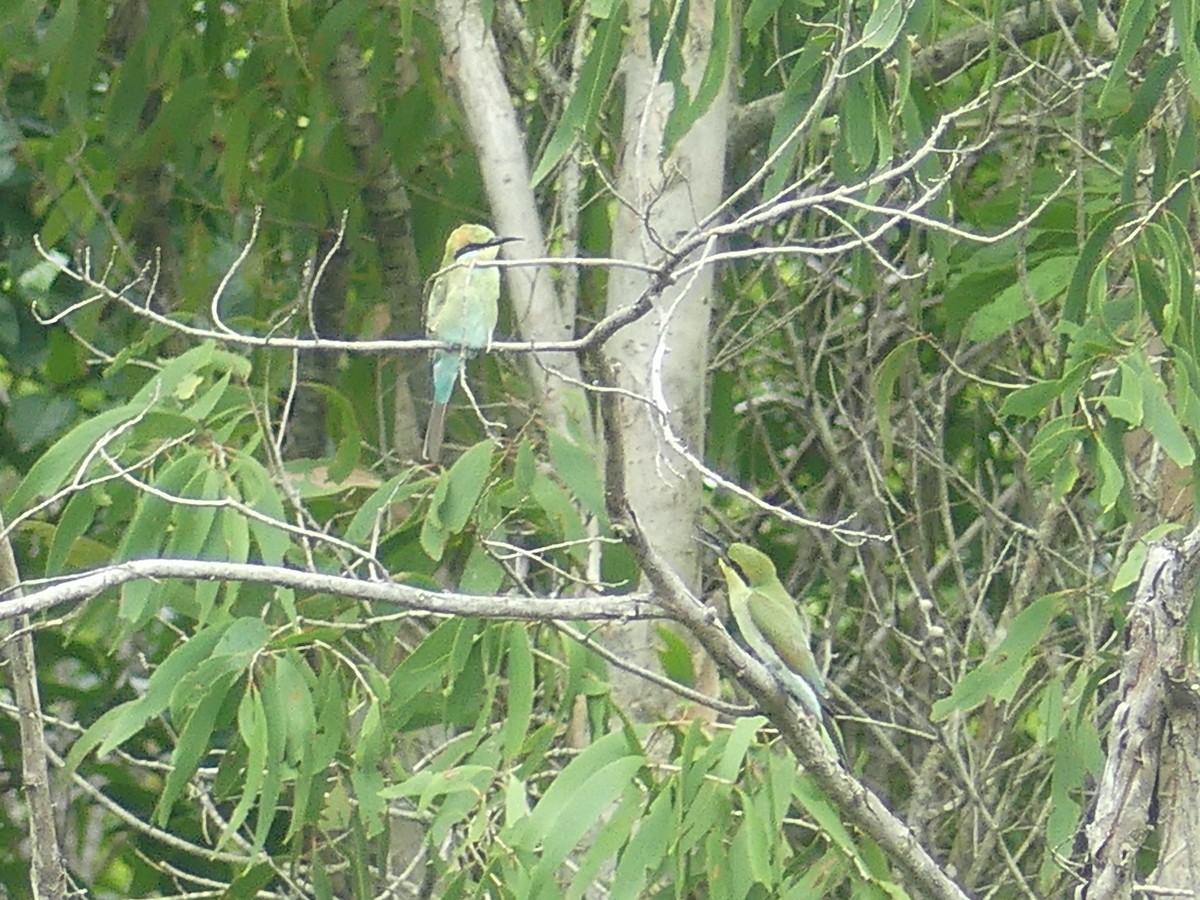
(775, 629)
(462, 309)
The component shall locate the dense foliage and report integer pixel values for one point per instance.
(951, 388)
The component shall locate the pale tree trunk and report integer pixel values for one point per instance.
(665, 353)
(669, 195)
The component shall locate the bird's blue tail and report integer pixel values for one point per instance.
(445, 372)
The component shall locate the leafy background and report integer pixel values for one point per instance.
(986, 354)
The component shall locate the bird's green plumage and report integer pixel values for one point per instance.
(462, 309)
(775, 629)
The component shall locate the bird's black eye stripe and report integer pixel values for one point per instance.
(480, 245)
(468, 248)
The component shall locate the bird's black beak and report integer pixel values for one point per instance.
(720, 547)
(711, 540)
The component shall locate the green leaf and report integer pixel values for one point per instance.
(234, 652)
(482, 575)
(40, 277)
(424, 668)
(523, 468)
(252, 724)
(561, 794)
(192, 747)
(759, 14)
(428, 785)
(76, 519)
(1003, 669)
(62, 460)
(455, 497)
(616, 827)
(675, 656)
(884, 25)
(558, 506)
(1094, 248)
(579, 469)
(736, 746)
(827, 817)
(202, 408)
(120, 723)
(242, 640)
(1111, 476)
(578, 815)
(1068, 777)
(321, 746)
(292, 693)
(372, 512)
(247, 885)
(582, 115)
(520, 690)
(646, 851)
(1131, 568)
(716, 69)
(365, 775)
(781, 780)
(1161, 422)
(1183, 15)
(1054, 441)
(342, 17)
(1136, 16)
(1145, 98)
(1045, 282)
(886, 376)
(857, 122)
(798, 98)
(1029, 401)
(232, 537)
(750, 852)
(275, 725)
(1127, 403)
(190, 525)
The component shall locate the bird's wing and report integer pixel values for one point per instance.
(781, 624)
(740, 594)
(435, 304)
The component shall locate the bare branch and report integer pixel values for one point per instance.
(74, 588)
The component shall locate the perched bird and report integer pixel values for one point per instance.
(773, 626)
(462, 309)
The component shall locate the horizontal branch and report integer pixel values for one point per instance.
(73, 588)
(597, 335)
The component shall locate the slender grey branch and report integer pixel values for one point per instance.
(74, 588)
(48, 878)
(595, 336)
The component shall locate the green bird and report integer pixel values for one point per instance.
(462, 309)
(774, 627)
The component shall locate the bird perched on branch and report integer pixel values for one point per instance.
(774, 627)
(462, 309)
